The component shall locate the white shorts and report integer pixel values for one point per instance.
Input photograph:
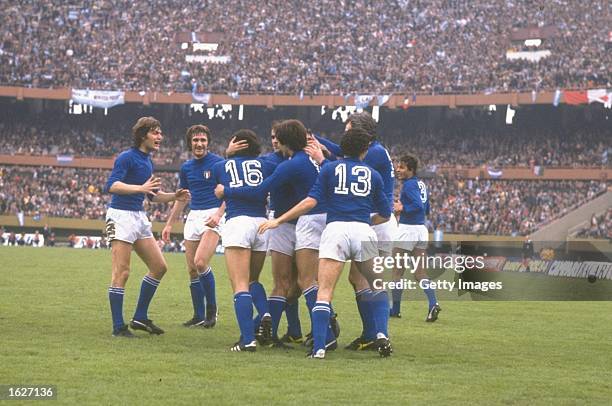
(346, 240)
(386, 234)
(127, 225)
(195, 224)
(242, 232)
(282, 239)
(410, 236)
(308, 231)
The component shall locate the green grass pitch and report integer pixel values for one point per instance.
(55, 329)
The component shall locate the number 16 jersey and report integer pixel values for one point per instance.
(243, 171)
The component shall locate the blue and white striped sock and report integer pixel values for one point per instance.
(320, 324)
(197, 298)
(207, 279)
(243, 306)
(115, 297)
(147, 290)
(277, 305)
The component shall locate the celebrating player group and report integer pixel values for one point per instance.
(313, 205)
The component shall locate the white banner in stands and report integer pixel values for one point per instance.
(601, 270)
(98, 98)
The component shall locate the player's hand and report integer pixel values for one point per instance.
(267, 225)
(151, 186)
(314, 150)
(212, 221)
(220, 191)
(235, 146)
(397, 206)
(165, 235)
(182, 195)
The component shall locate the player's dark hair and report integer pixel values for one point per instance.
(411, 162)
(142, 128)
(196, 129)
(275, 123)
(365, 122)
(254, 148)
(354, 142)
(292, 134)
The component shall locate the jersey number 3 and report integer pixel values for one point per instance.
(361, 187)
(251, 173)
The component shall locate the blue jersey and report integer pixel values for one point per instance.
(240, 171)
(275, 158)
(377, 157)
(352, 190)
(415, 202)
(291, 181)
(196, 175)
(132, 167)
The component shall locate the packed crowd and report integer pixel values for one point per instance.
(318, 46)
(64, 192)
(446, 147)
(459, 206)
(503, 207)
(86, 139)
(599, 227)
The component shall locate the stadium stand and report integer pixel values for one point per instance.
(495, 207)
(471, 140)
(323, 47)
(600, 227)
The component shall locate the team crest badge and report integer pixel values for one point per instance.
(207, 174)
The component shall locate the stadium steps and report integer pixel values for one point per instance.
(558, 230)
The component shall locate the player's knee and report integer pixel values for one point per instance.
(193, 273)
(160, 271)
(201, 264)
(420, 274)
(120, 276)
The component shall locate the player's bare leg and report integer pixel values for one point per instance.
(121, 253)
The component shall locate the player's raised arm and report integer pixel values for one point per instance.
(330, 145)
(182, 195)
(150, 187)
(235, 146)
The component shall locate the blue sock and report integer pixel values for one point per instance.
(260, 300)
(364, 305)
(292, 311)
(320, 324)
(396, 294)
(197, 298)
(115, 297)
(310, 295)
(147, 290)
(431, 294)
(380, 310)
(276, 305)
(207, 279)
(256, 322)
(243, 306)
